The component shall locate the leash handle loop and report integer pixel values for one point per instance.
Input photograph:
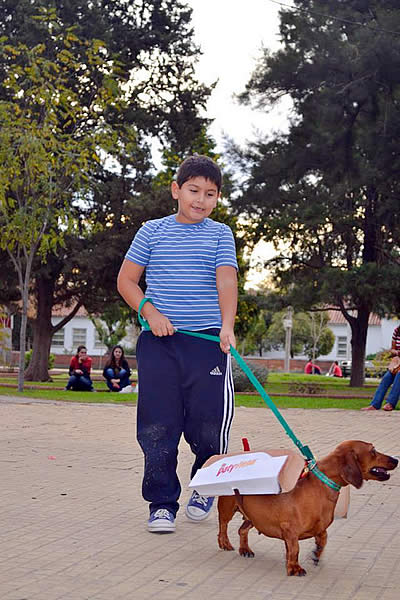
(142, 320)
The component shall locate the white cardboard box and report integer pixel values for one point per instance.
(269, 471)
(253, 473)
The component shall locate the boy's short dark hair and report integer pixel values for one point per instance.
(199, 166)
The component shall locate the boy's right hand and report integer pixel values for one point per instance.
(160, 325)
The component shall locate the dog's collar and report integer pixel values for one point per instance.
(312, 466)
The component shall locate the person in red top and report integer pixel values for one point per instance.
(312, 369)
(79, 372)
(337, 371)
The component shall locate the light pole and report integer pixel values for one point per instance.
(287, 323)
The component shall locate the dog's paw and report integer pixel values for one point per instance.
(224, 543)
(227, 547)
(315, 558)
(297, 570)
(246, 552)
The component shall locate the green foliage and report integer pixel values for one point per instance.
(112, 323)
(321, 339)
(240, 379)
(307, 338)
(328, 190)
(4, 337)
(48, 142)
(255, 340)
(105, 80)
(380, 363)
(300, 332)
(129, 350)
(55, 138)
(28, 356)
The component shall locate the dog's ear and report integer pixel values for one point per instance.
(350, 470)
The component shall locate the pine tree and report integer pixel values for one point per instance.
(329, 189)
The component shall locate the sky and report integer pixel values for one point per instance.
(231, 34)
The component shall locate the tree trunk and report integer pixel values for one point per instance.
(22, 338)
(359, 330)
(38, 369)
(23, 270)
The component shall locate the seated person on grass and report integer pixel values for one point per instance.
(312, 369)
(116, 371)
(337, 371)
(79, 372)
(390, 379)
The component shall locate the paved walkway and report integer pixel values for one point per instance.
(72, 518)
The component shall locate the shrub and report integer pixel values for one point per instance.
(129, 350)
(379, 363)
(242, 382)
(28, 356)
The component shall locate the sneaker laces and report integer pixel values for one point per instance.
(199, 499)
(162, 513)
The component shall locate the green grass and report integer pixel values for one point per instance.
(278, 383)
(316, 403)
(100, 397)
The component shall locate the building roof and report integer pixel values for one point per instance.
(337, 318)
(63, 311)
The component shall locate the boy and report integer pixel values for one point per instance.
(185, 382)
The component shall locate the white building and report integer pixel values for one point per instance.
(81, 331)
(379, 337)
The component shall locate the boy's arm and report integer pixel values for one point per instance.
(128, 286)
(227, 296)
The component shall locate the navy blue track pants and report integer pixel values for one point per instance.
(185, 386)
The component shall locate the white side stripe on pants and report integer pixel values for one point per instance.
(229, 403)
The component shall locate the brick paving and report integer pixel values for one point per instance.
(72, 520)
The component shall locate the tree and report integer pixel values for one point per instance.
(310, 335)
(41, 162)
(321, 340)
(148, 45)
(255, 339)
(111, 325)
(329, 190)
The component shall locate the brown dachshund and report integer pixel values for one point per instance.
(307, 510)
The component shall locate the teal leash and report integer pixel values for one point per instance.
(305, 450)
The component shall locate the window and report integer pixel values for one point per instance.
(58, 339)
(342, 346)
(78, 337)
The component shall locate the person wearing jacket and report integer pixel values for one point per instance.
(116, 370)
(79, 371)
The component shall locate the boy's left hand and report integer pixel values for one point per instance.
(227, 338)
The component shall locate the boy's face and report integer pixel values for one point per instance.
(197, 198)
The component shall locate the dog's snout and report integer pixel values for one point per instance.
(394, 461)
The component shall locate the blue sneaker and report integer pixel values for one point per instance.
(199, 507)
(161, 521)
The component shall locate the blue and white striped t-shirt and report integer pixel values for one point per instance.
(181, 261)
